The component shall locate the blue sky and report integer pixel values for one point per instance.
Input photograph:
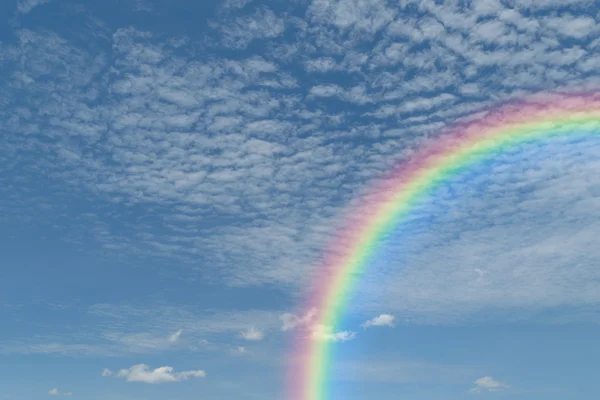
(171, 172)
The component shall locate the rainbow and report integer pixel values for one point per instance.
(392, 199)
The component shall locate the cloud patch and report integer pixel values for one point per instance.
(381, 320)
(325, 333)
(25, 6)
(488, 384)
(143, 373)
(174, 338)
(56, 392)
(252, 334)
(291, 321)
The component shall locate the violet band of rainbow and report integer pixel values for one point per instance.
(390, 200)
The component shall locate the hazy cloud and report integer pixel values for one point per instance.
(55, 392)
(252, 334)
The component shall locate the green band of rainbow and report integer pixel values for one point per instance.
(392, 199)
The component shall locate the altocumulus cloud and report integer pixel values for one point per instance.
(282, 159)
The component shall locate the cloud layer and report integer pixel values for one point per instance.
(239, 167)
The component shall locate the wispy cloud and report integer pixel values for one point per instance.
(394, 369)
(25, 6)
(175, 337)
(127, 330)
(252, 334)
(55, 392)
(239, 350)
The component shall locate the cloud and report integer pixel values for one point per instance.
(291, 321)
(55, 392)
(106, 372)
(325, 333)
(382, 320)
(352, 15)
(239, 350)
(175, 337)
(25, 6)
(132, 330)
(488, 384)
(274, 163)
(315, 331)
(252, 334)
(262, 24)
(517, 268)
(143, 373)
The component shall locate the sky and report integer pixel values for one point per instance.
(172, 171)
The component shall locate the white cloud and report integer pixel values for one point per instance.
(55, 392)
(488, 384)
(325, 90)
(381, 320)
(143, 373)
(106, 372)
(262, 24)
(355, 15)
(143, 6)
(25, 6)
(252, 334)
(576, 27)
(322, 64)
(315, 331)
(239, 350)
(175, 337)
(325, 333)
(291, 321)
(389, 368)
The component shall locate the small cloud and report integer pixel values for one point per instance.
(292, 321)
(24, 6)
(252, 334)
(324, 333)
(55, 392)
(141, 5)
(175, 337)
(143, 373)
(106, 372)
(487, 384)
(239, 350)
(382, 320)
